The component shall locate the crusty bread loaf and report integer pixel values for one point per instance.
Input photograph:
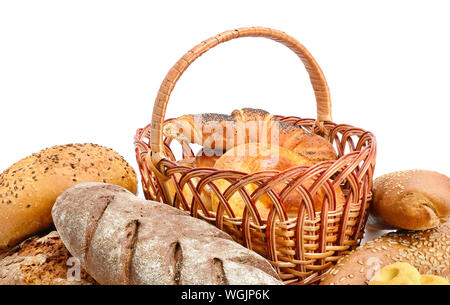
(244, 126)
(29, 188)
(411, 200)
(122, 239)
(428, 251)
(253, 157)
(41, 260)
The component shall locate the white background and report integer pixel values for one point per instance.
(88, 71)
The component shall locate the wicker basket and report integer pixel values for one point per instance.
(303, 248)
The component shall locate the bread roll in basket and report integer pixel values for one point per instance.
(332, 197)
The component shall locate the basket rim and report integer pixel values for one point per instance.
(141, 133)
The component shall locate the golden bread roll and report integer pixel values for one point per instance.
(428, 251)
(411, 200)
(219, 131)
(254, 157)
(29, 188)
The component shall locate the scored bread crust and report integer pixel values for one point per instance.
(411, 200)
(40, 260)
(428, 251)
(29, 188)
(122, 239)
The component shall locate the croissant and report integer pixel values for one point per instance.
(223, 132)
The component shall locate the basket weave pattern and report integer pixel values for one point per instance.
(300, 248)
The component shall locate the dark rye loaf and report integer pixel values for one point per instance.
(122, 239)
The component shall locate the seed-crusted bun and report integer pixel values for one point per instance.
(411, 200)
(42, 260)
(29, 188)
(428, 251)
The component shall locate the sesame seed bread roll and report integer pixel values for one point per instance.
(29, 188)
(428, 251)
(410, 200)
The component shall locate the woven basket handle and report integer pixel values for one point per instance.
(316, 76)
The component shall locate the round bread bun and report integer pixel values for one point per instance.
(42, 260)
(29, 188)
(254, 157)
(411, 200)
(428, 251)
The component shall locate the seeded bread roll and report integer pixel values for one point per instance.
(29, 188)
(122, 239)
(42, 260)
(410, 200)
(428, 251)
